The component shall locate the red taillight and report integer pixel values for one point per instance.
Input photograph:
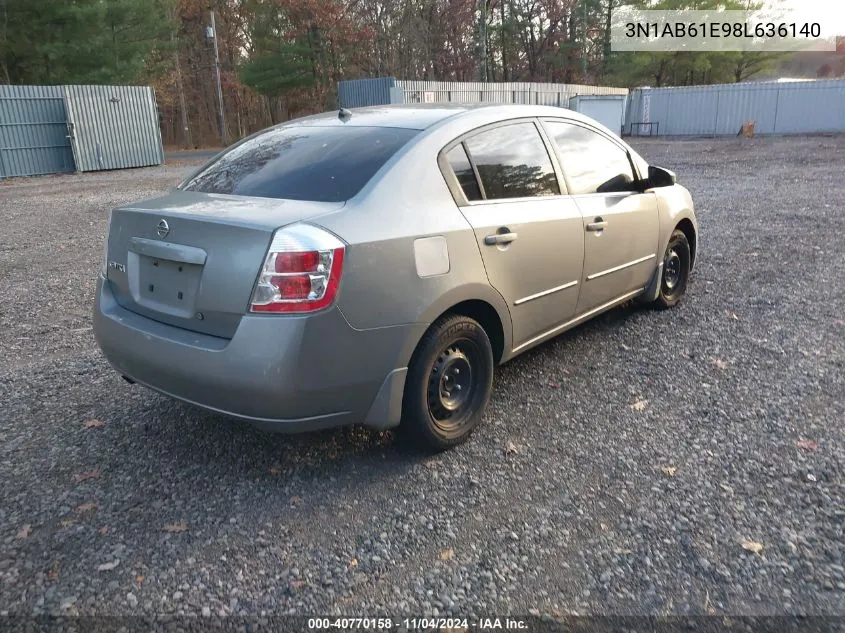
(291, 288)
(306, 262)
(301, 272)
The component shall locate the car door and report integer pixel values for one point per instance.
(620, 223)
(529, 234)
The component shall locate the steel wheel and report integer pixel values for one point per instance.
(450, 385)
(671, 270)
(676, 267)
(450, 377)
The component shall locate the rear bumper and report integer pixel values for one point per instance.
(282, 373)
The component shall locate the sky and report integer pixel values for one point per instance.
(829, 13)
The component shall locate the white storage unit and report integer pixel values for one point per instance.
(609, 110)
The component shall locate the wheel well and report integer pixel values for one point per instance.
(686, 227)
(489, 319)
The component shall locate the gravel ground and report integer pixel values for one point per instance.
(619, 470)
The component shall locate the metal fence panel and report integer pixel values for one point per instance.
(113, 127)
(33, 131)
(366, 92)
(775, 107)
(499, 92)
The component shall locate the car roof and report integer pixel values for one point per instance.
(424, 116)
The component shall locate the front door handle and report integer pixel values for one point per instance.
(597, 225)
(500, 238)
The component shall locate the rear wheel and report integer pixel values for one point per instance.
(676, 268)
(450, 378)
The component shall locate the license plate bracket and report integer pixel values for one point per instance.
(164, 285)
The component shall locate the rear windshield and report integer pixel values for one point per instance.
(325, 164)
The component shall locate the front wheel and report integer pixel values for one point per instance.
(676, 268)
(450, 378)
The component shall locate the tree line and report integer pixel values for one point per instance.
(283, 58)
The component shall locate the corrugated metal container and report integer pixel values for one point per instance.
(801, 107)
(357, 93)
(33, 131)
(609, 110)
(812, 106)
(363, 92)
(113, 127)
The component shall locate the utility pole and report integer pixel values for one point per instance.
(482, 43)
(211, 32)
(584, 45)
(186, 130)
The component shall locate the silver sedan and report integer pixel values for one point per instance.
(373, 266)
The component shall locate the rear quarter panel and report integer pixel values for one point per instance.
(408, 199)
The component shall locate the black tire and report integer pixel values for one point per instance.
(676, 268)
(449, 381)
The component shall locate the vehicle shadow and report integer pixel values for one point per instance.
(199, 436)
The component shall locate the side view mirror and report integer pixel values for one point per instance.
(660, 177)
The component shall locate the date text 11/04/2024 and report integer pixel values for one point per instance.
(413, 624)
(722, 29)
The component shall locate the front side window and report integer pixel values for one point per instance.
(592, 163)
(323, 164)
(512, 162)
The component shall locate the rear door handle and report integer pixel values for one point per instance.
(500, 238)
(597, 225)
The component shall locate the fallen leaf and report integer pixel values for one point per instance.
(275, 471)
(447, 554)
(718, 363)
(24, 532)
(752, 546)
(108, 566)
(86, 507)
(93, 424)
(353, 562)
(295, 500)
(175, 527)
(807, 445)
(104, 530)
(511, 448)
(139, 579)
(639, 405)
(66, 523)
(669, 471)
(708, 606)
(91, 474)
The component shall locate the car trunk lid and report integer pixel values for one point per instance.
(191, 259)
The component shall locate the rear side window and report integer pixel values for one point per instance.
(459, 163)
(592, 163)
(512, 162)
(325, 164)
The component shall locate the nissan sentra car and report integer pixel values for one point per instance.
(374, 265)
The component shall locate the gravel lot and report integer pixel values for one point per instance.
(620, 468)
